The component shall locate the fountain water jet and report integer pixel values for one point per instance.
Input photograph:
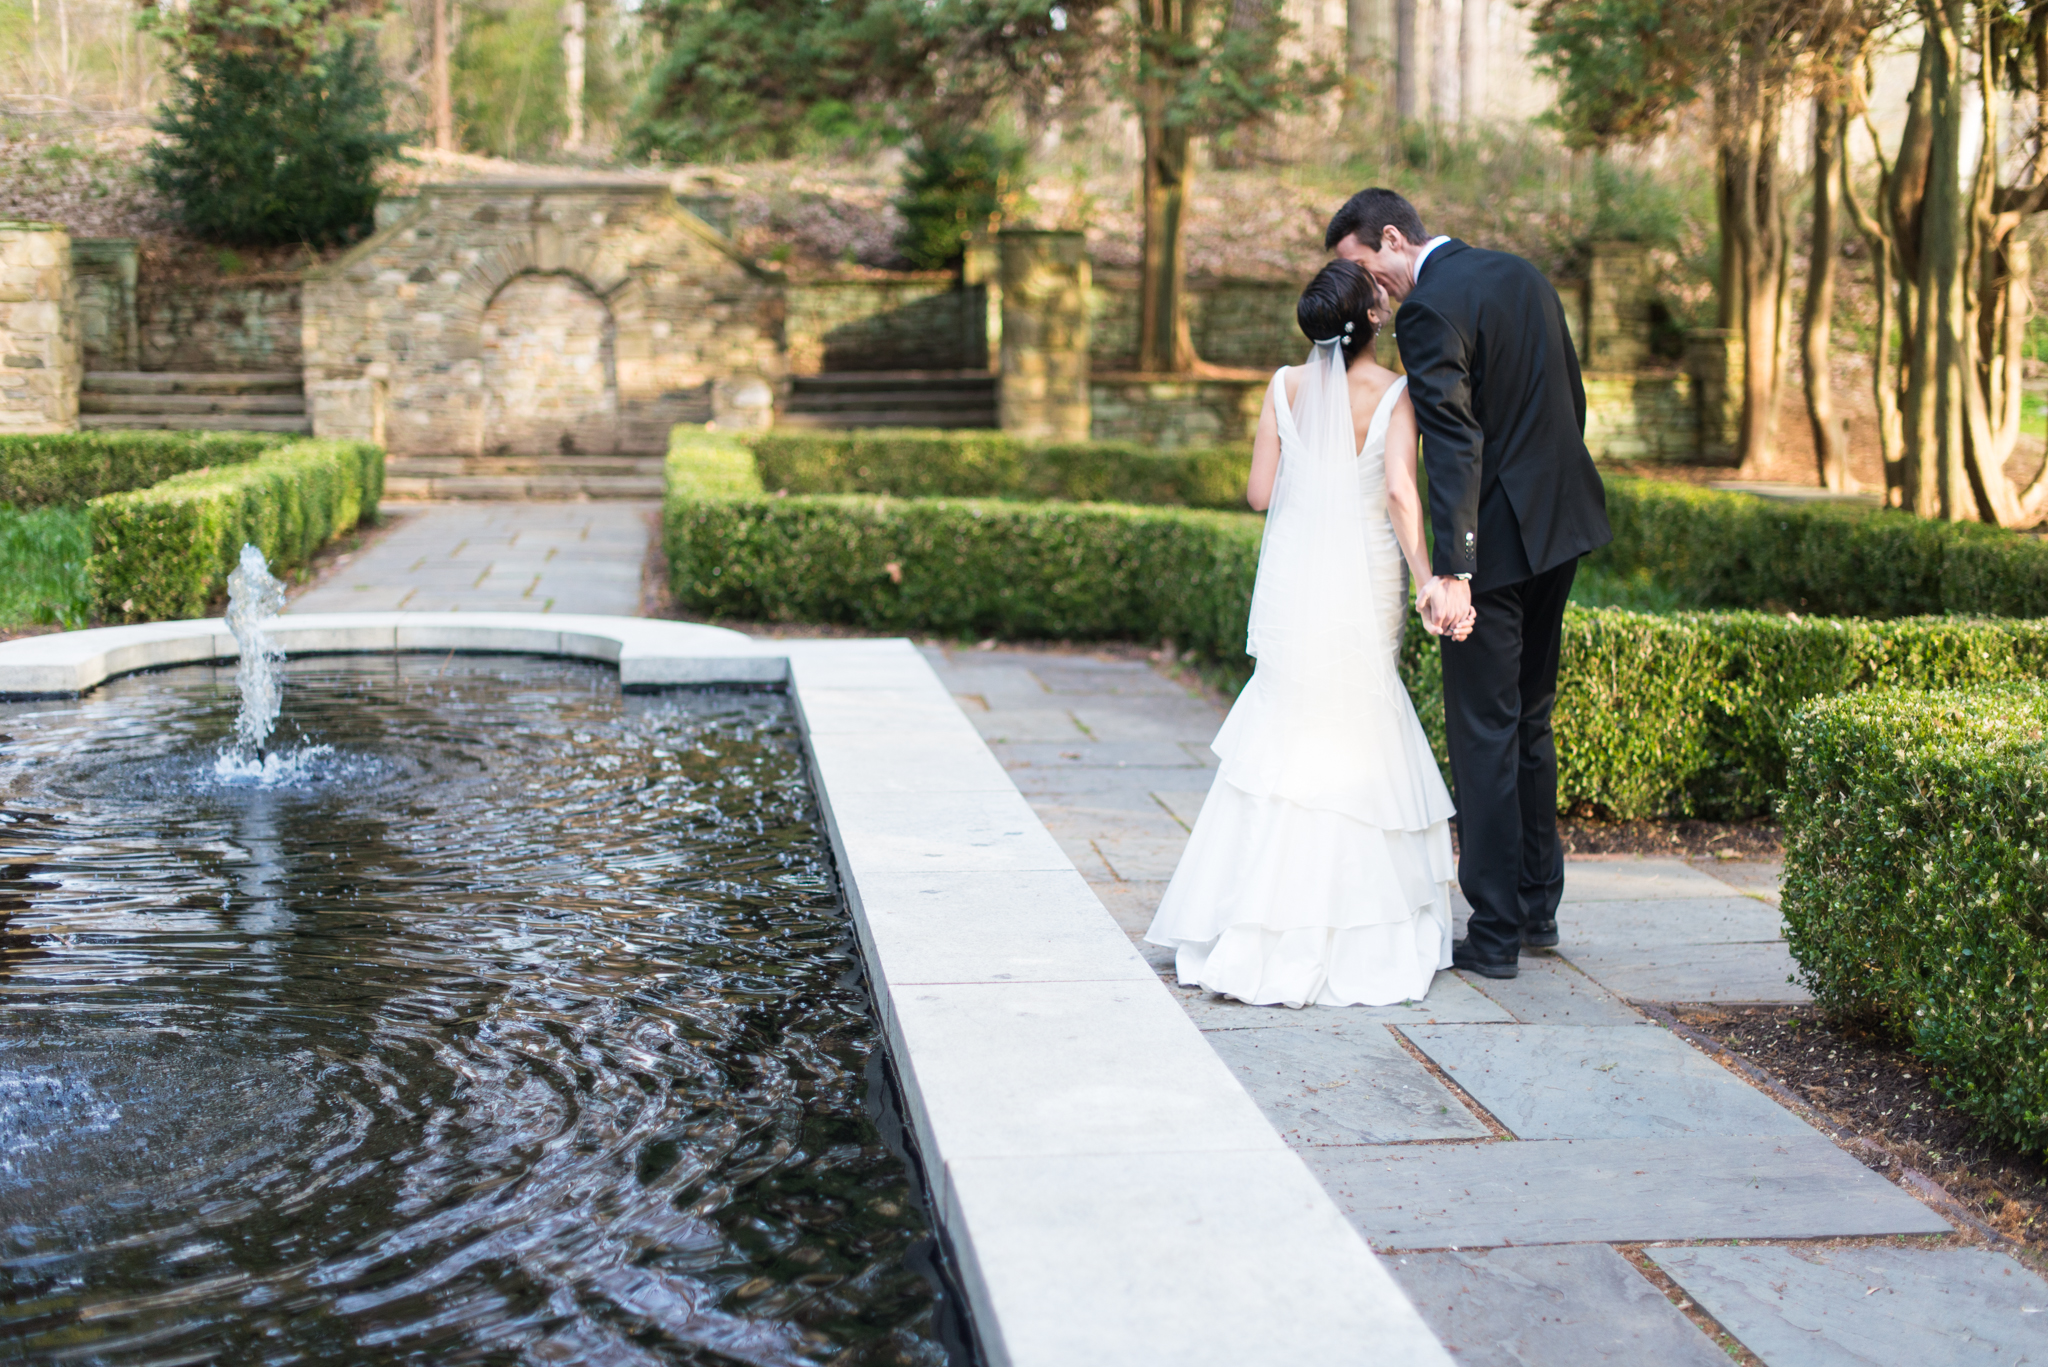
(255, 597)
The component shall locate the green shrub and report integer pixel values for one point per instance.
(1738, 550)
(166, 551)
(1916, 843)
(42, 567)
(73, 468)
(267, 143)
(1657, 714)
(955, 182)
(918, 463)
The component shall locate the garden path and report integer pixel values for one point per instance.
(495, 557)
(1497, 1140)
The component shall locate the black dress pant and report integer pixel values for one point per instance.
(1499, 686)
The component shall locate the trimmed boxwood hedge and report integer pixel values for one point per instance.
(1916, 883)
(1657, 714)
(921, 463)
(166, 551)
(1718, 549)
(73, 468)
(1738, 550)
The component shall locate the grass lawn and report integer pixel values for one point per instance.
(42, 567)
(1595, 586)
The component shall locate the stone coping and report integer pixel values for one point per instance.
(1110, 1190)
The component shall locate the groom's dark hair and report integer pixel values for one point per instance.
(1368, 214)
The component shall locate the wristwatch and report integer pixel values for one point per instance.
(1466, 577)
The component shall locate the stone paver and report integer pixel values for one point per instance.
(1343, 1084)
(1613, 1191)
(1568, 1082)
(1113, 758)
(496, 557)
(1869, 1307)
(1569, 1303)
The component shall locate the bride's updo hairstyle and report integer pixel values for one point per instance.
(1338, 303)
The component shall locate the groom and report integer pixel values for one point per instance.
(1514, 502)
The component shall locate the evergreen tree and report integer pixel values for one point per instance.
(955, 183)
(273, 137)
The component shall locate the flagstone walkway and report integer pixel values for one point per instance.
(495, 557)
(1497, 1140)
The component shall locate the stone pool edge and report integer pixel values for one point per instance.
(1110, 1190)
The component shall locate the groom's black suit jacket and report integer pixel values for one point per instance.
(1495, 383)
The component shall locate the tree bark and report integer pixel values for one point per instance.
(1754, 218)
(1472, 63)
(1165, 343)
(1367, 39)
(1880, 240)
(1443, 75)
(1830, 440)
(1408, 73)
(437, 80)
(573, 19)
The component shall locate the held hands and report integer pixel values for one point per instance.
(1446, 607)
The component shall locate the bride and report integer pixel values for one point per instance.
(1319, 870)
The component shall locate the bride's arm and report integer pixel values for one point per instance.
(1404, 508)
(1266, 458)
(1404, 501)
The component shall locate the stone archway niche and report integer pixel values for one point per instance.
(476, 323)
(550, 370)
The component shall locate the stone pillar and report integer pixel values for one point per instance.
(981, 268)
(1617, 307)
(1713, 358)
(103, 276)
(39, 359)
(1046, 277)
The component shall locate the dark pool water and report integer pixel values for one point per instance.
(509, 1020)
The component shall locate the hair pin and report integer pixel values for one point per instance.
(1347, 329)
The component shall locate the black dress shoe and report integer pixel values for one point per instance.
(1539, 935)
(1462, 957)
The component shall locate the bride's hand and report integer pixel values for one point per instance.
(1426, 605)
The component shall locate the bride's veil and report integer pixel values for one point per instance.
(1314, 628)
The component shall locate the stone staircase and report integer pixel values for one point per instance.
(265, 401)
(891, 398)
(537, 478)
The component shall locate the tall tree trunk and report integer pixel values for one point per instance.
(1443, 51)
(437, 79)
(1888, 282)
(1472, 63)
(1164, 342)
(1752, 197)
(574, 17)
(1368, 36)
(1830, 441)
(1408, 73)
(1936, 346)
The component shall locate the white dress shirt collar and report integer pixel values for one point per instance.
(1427, 248)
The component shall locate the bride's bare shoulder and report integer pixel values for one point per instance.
(1290, 380)
(1369, 384)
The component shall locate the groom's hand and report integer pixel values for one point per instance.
(1453, 600)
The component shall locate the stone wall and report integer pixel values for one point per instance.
(1174, 413)
(1246, 324)
(39, 358)
(219, 325)
(1644, 415)
(103, 271)
(443, 323)
(922, 321)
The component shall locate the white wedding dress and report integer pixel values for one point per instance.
(1319, 870)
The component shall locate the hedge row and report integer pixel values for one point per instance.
(1720, 549)
(1738, 550)
(166, 551)
(1916, 844)
(1678, 714)
(916, 463)
(73, 468)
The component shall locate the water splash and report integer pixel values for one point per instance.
(255, 597)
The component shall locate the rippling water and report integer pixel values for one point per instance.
(497, 1018)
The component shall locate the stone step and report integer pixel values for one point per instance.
(93, 401)
(884, 399)
(196, 422)
(577, 467)
(854, 381)
(553, 488)
(193, 382)
(901, 417)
